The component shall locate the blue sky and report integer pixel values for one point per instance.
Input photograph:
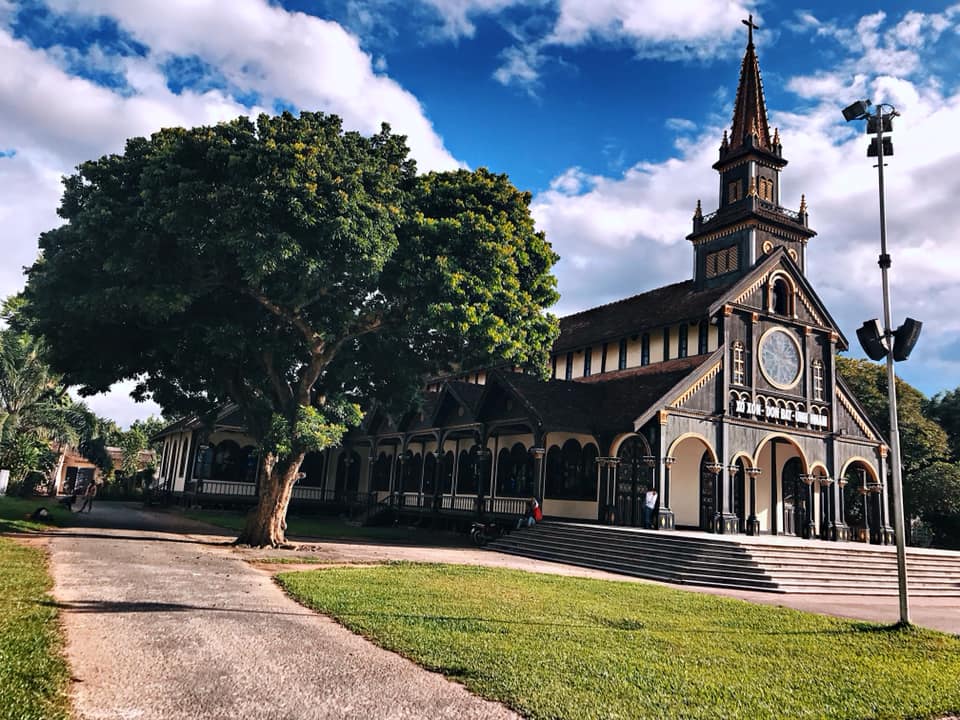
(609, 111)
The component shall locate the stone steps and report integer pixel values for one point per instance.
(769, 567)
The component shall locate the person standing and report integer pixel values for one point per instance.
(88, 495)
(649, 505)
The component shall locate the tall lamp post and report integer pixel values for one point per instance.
(887, 343)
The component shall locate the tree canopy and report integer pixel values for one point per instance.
(931, 483)
(292, 268)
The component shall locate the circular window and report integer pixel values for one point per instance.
(780, 358)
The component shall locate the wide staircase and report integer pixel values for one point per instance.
(774, 565)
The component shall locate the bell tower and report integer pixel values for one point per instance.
(749, 221)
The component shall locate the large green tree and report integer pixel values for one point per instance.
(930, 488)
(292, 268)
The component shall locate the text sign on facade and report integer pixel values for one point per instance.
(773, 412)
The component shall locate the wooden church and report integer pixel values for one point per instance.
(720, 391)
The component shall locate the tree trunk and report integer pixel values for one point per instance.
(267, 522)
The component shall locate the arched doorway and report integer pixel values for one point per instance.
(795, 497)
(740, 495)
(862, 501)
(708, 492)
(690, 487)
(634, 478)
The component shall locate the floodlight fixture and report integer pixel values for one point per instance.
(872, 341)
(885, 123)
(905, 337)
(874, 149)
(857, 111)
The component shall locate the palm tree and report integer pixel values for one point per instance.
(35, 411)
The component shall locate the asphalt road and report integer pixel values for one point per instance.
(165, 622)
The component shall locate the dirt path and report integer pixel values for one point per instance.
(162, 624)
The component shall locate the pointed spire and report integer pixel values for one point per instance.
(803, 204)
(698, 213)
(750, 109)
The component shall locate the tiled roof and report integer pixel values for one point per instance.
(559, 403)
(633, 393)
(663, 306)
(606, 403)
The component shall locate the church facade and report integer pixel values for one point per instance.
(720, 392)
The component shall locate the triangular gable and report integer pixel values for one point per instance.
(685, 389)
(420, 418)
(501, 401)
(851, 417)
(701, 394)
(377, 422)
(452, 408)
(749, 291)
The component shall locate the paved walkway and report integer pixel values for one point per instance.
(161, 624)
(165, 620)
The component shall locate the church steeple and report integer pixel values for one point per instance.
(750, 125)
(749, 222)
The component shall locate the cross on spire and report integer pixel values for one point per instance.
(750, 125)
(750, 28)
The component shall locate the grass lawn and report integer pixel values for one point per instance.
(15, 513)
(560, 647)
(33, 673)
(316, 527)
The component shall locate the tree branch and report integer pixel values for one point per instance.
(280, 386)
(311, 336)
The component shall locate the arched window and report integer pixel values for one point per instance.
(622, 358)
(571, 472)
(226, 462)
(738, 376)
(682, 340)
(587, 361)
(554, 470)
(204, 463)
(313, 466)
(645, 349)
(446, 473)
(781, 297)
(429, 473)
(817, 368)
(703, 337)
(515, 472)
(467, 471)
(413, 470)
(348, 474)
(381, 473)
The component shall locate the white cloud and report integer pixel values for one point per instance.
(704, 23)
(456, 14)
(302, 59)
